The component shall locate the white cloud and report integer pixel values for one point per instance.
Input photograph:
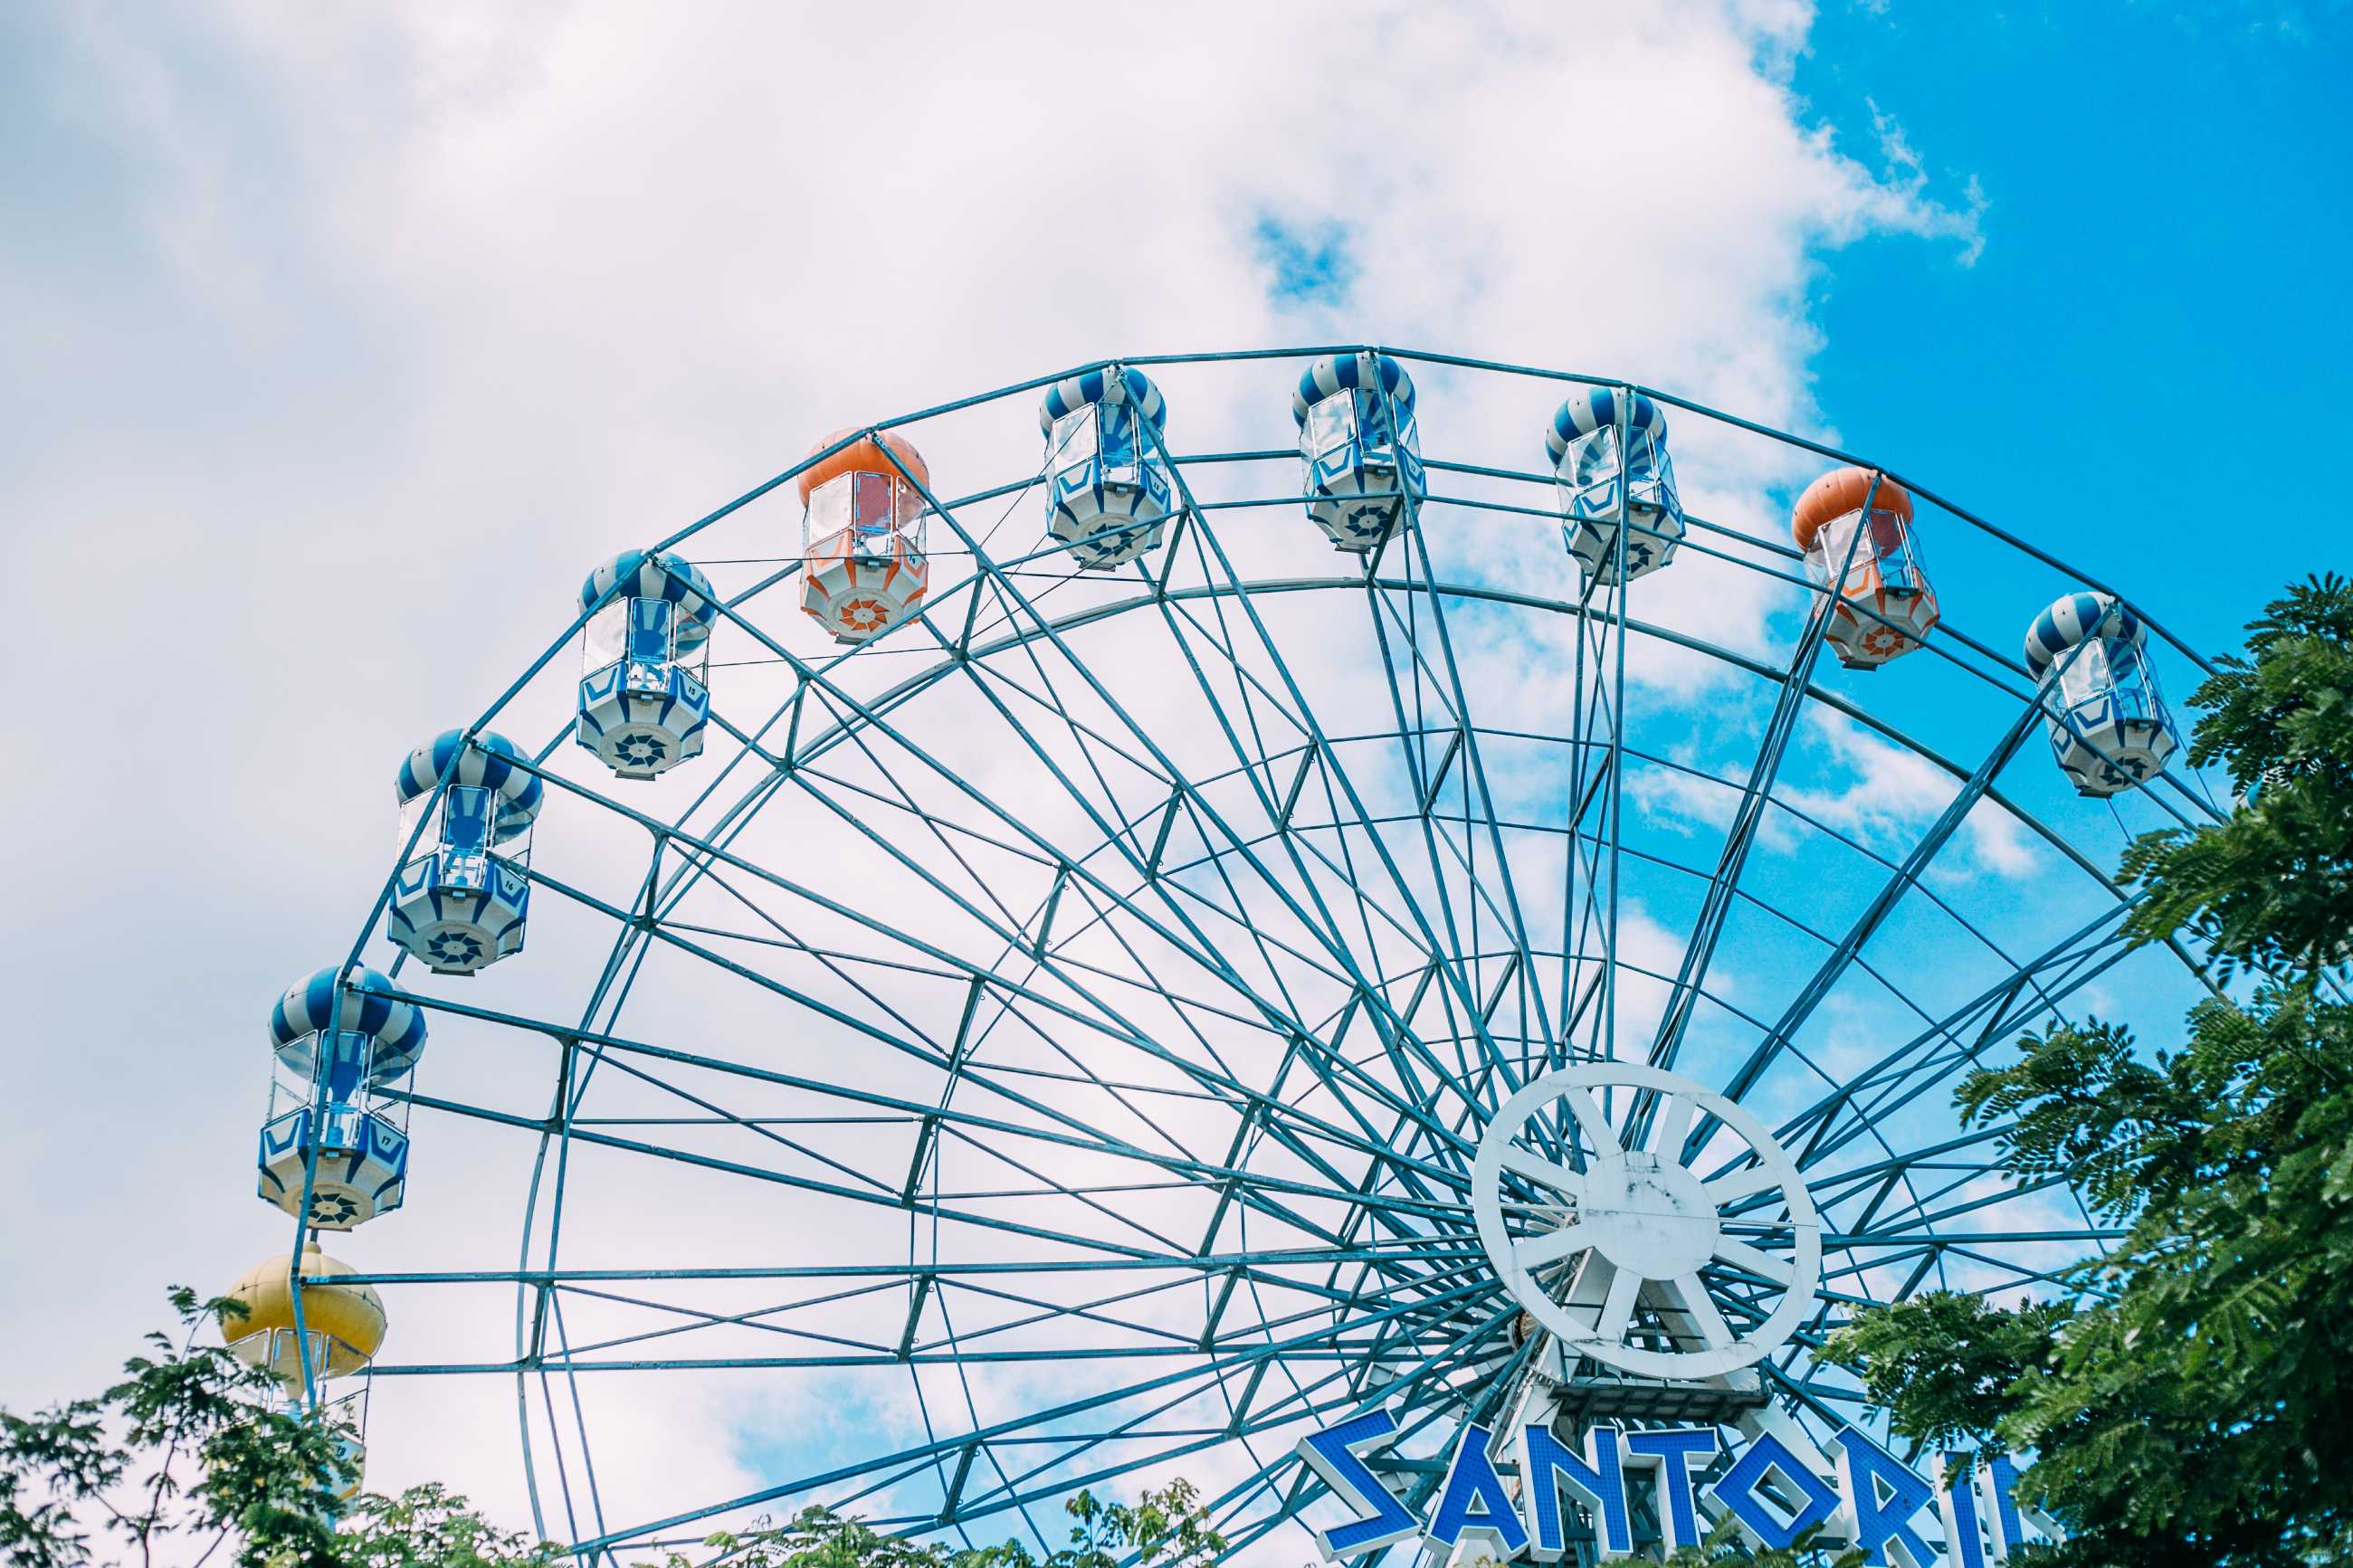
(1908, 177)
(1871, 790)
(1888, 794)
(354, 339)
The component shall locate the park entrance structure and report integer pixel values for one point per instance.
(1074, 968)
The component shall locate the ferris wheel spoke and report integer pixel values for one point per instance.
(1255, 765)
(1412, 1101)
(1245, 992)
(1755, 1180)
(751, 1127)
(804, 1184)
(1591, 893)
(1477, 787)
(1918, 1214)
(1406, 1219)
(1698, 1302)
(810, 777)
(1198, 952)
(1349, 1083)
(1268, 742)
(1040, 1420)
(1056, 1127)
(699, 1319)
(1548, 1173)
(833, 908)
(1715, 909)
(1616, 1314)
(1326, 1397)
(1427, 781)
(1332, 767)
(1673, 1116)
(1252, 1189)
(1392, 1149)
(1811, 994)
(1755, 1260)
(1999, 1011)
(1550, 1247)
(1214, 1080)
(1273, 949)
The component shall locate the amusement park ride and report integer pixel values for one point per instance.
(1210, 1017)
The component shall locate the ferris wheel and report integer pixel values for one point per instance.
(1061, 958)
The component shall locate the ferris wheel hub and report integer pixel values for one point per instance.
(1648, 1214)
(1602, 1191)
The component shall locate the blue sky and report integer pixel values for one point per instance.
(344, 344)
(2161, 297)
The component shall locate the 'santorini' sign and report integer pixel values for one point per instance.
(1778, 1487)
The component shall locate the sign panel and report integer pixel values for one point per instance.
(1778, 1487)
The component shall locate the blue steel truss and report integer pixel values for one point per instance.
(1077, 1008)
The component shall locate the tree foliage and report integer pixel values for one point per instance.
(430, 1526)
(1164, 1528)
(2269, 887)
(2191, 1404)
(183, 1445)
(191, 1455)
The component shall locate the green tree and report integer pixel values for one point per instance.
(430, 1526)
(183, 1445)
(192, 1454)
(1723, 1549)
(1164, 1528)
(2192, 1403)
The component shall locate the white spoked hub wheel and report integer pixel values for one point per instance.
(1630, 1255)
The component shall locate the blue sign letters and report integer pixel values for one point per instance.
(1775, 1489)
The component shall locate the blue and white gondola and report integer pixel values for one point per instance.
(644, 700)
(1592, 477)
(2109, 727)
(461, 900)
(332, 1064)
(1360, 447)
(1108, 490)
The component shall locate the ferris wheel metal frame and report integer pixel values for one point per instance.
(1416, 1315)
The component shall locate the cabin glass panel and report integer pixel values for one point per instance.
(652, 626)
(335, 1073)
(285, 1354)
(1589, 470)
(607, 636)
(345, 1056)
(1101, 443)
(1887, 556)
(466, 811)
(1897, 548)
(1588, 475)
(2083, 673)
(461, 830)
(412, 812)
(1331, 426)
(1075, 441)
(1119, 436)
(869, 508)
(2106, 671)
(463, 819)
(2135, 686)
(293, 1074)
(1385, 421)
(829, 508)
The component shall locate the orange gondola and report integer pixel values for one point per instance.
(1882, 606)
(863, 568)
